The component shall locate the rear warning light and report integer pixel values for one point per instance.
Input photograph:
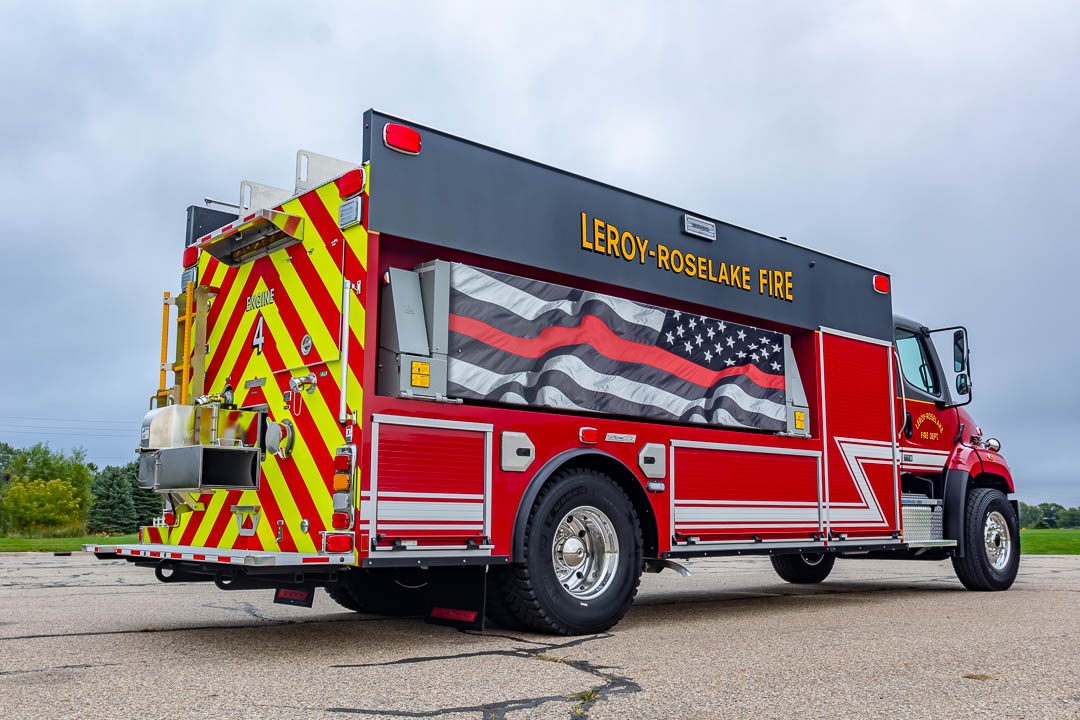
(340, 520)
(191, 255)
(170, 518)
(341, 482)
(401, 138)
(342, 463)
(881, 284)
(338, 543)
(351, 183)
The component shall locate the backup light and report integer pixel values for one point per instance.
(401, 138)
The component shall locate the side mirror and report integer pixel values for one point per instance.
(963, 385)
(959, 352)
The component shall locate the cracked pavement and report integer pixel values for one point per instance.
(84, 638)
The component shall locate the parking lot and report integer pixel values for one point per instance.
(84, 638)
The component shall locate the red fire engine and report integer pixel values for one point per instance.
(448, 379)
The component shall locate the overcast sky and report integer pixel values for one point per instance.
(936, 141)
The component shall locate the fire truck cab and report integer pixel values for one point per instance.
(452, 381)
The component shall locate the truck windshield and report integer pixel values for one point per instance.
(915, 363)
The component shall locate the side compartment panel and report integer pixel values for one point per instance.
(861, 492)
(736, 492)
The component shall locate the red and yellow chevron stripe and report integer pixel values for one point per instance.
(292, 329)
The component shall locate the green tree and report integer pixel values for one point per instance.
(1029, 515)
(1049, 513)
(113, 510)
(38, 462)
(6, 453)
(1069, 518)
(33, 505)
(148, 504)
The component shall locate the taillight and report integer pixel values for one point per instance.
(170, 518)
(340, 520)
(342, 463)
(191, 255)
(401, 138)
(338, 543)
(881, 284)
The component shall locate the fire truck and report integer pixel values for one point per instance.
(453, 381)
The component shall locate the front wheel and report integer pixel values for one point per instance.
(992, 536)
(803, 569)
(582, 561)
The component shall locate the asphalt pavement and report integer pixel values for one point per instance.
(85, 638)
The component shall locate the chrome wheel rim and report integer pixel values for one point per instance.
(813, 559)
(997, 540)
(585, 554)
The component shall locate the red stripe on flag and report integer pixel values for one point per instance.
(592, 331)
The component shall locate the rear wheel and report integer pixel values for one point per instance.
(803, 569)
(381, 592)
(992, 536)
(582, 559)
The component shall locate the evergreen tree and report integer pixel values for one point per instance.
(113, 510)
(148, 504)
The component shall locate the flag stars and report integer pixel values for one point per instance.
(677, 315)
(670, 338)
(740, 354)
(710, 333)
(722, 327)
(764, 340)
(693, 323)
(776, 366)
(698, 340)
(754, 357)
(731, 342)
(719, 348)
(689, 347)
(742, 335)
(708, 356)
(679, 331)
(729, 362)
(776, 348)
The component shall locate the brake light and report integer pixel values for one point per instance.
(191, 255)
(401, 138)
(881, 284)
(338, 543)
(342, 463)
(340, 521)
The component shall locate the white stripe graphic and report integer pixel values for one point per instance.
(390, 510)
(482, 381)
(486, 288)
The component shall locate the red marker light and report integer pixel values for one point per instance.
(338, 543)
(401, 138)
(881, 284)
(170, 518)
(191, 255)
(342, 463)
(351, 183)
(589, 435)
(340, 521)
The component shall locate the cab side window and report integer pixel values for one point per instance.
(915, 363)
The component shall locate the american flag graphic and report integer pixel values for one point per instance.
(520, 341)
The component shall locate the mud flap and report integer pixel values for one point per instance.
(456, 596)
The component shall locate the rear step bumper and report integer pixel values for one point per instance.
(246, 558)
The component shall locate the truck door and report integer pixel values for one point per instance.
(927, 427)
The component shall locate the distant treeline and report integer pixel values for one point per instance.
(45, 493)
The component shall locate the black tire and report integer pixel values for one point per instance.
(992, 542)
(532, 592)
(806, 569)
(397, 593)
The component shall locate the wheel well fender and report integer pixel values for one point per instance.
(601, 462)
